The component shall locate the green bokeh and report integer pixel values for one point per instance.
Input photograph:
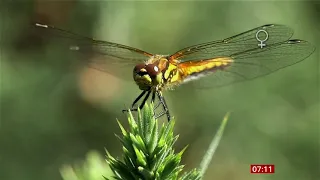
(47, 121)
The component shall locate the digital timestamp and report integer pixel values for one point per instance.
(262, 168)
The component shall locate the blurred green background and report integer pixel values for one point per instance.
(54, 110)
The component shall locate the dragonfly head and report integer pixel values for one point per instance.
(147, 76)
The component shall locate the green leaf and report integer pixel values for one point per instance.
(192, 175)
(146, 173)
(213, 146)
(153, 139)
(124, 132)
(141, 158)
(140, 123)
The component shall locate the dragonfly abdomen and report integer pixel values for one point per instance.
(192, 70)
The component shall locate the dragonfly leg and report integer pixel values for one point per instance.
(152, 101)
(157, 105)
(137, 99)
(144, 100)
(164, 105)
(153, 96)
(159, 115)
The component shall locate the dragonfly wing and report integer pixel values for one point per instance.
(256, 62)
(101, 55)
(235, 44)
(245, 59)
(114, 60)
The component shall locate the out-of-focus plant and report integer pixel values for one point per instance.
(94, 168)
(148, 153)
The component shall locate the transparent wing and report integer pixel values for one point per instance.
(250, 60)
(102, 55)
(235, 44)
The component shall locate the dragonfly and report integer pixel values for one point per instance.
(211, 64)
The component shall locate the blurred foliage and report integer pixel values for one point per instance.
(54, 109)
(93, 168)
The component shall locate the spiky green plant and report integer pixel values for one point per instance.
(148, 151)
(147, 154)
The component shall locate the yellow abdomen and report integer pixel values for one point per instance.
(190, 70)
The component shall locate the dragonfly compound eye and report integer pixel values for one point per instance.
(140, 69)
(152, 70)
